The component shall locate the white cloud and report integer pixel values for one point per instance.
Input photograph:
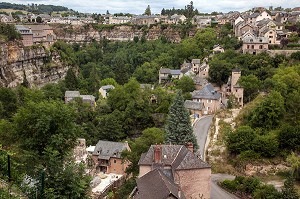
(139, 6)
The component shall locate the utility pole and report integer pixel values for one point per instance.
(8, 174)
(42, 179)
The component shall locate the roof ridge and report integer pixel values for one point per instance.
(176, 155)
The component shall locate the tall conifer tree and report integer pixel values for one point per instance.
(179, 129)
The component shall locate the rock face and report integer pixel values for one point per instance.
(35, 63)
(117, 33)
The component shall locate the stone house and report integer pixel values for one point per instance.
(203, 70)
(105, 89)
(200, 82)
(119, 19)
(209, 97)
(6, 18)
(107, 157)
(194, 107)
(263, 15)
(243, 28)
(218, 49)
(177, 166)
(42, 34)
(71, 95)
(195, 65)
(254, 45)
(145, 20)
(176, 19)
(27, 35)
(233, 88)
(202, 21)
(166, 74)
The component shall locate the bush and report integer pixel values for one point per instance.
(296, 55)
(266, 145)
(241, 139)
(251, 187)
(231, 185)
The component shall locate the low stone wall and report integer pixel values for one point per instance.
(272, 53)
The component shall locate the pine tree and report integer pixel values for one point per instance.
(179, 129)
(147, 11)
(71, 80)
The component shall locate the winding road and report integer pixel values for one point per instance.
(201, 129)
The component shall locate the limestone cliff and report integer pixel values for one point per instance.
(87, 33)
(35, 63)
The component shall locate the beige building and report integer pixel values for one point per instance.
(177, 166)
(145, 20)
(71, 95)
(27, 35)
(42, 34)
(209, 97)
(107, 157)
(254, 45)
(104, 90)
(233, 88)
(194, 107)
(166, 74)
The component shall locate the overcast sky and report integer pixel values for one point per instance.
(139, 6)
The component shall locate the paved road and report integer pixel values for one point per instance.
(201, 128)
(218, 193)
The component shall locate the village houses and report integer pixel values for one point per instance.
(107, 157)
(209, 97)
(234, 88)
(178, 167)
(72, 95)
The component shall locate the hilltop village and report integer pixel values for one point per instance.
(179, 104)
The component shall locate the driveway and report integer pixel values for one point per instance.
(201, 128)
(217, 192)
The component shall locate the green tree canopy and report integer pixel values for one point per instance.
(186, 84)
(269, 113)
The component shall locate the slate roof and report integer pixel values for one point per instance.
(191, 162)
(176, 156)
(236, 70)
(23, 30)
(175, 72)
(107, 149)
(196, 61)
(208, 92)
(106, 87)
(261, 40)
(156, 185)
(199, 80)
(164, 71)
(72, 94)
(254, 15)
(88, 97)
(189, 104)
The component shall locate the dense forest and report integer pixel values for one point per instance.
(34, 8)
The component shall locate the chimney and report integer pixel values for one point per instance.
(157, 154)
(190, 146)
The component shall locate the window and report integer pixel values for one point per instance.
(248, 46)
(260, 46)
(252, 46)
(115, 161)
(270, 36)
